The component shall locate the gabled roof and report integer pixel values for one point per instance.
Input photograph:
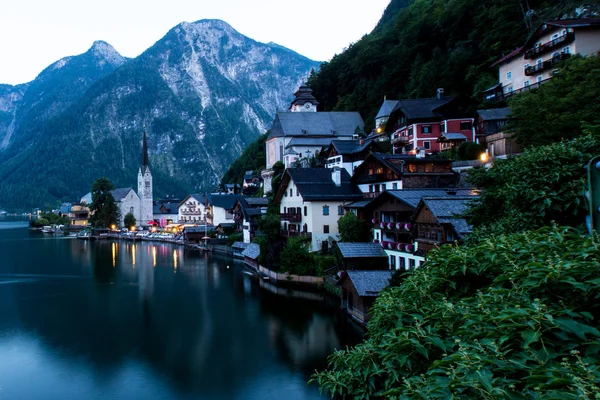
(448, 210)
(575, 22)
(386, 108)
(316, 184)
(412, 197)
(252, 251)
(225, 201)
(361, 250)
(369, 283)
(509, 56)
(316, 124)
(169, 208)
(347, 147)
(257, 201)
(395, 162)
(428, 108)
(494, 114)
(120, 193)
(304, 95)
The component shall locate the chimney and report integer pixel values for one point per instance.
(336, 176)
(440, 93)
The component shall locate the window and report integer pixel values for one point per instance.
(147, 184)
(555, 36)
(410, 131)
(377, 235)
(395, 186)
(285, 193)
(442, 127)
(539, 61)
(291, 192)
(427, 145)
(297, 192)
(325, 210)
(305, 211)
(131, 210)
(383, 187)
(526, 83)
(526, 66)
(564, 32)
(411, 263)
(284, 210)
(325, 228)
(393, 262)
(566, 50)
(465, 126)
(426, 129)
(509, 89)
(540, 78)
(370, 188)
(555, 54)
(402, 263)
(340, 210)
(509, 75)
(298, 211)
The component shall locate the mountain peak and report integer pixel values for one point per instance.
(106, 52)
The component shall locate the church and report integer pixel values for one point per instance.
(140, 203)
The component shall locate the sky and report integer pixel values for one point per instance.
(36, 33)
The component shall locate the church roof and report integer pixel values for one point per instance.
(316, 124)
(144, 159)
(120, 193)
(304, 95)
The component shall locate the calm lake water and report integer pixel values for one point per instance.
(107, 320)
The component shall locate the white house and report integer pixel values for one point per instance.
(214, 208)
(311, 200)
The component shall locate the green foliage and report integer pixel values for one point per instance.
(129, 220)
(235, 237)
(278, 170)
(296, 259)
(544, 184)
(104, 209)
(469, 151)
(422, 45)
(352, 229)
(559, 108)
(513, 317)
(49, 218)
(254, 158)
(38, 222)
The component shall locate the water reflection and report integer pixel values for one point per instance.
(208, 330)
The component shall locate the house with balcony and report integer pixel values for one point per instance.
(491, 133)
(194, 209)
(311, 200)
(392, 217)
(79, 215)
(247, 213)
(381, 171)
(347, 154)
(302, 132)
(438, 221)
(534, 62)
(430, 125)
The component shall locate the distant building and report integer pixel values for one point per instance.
(430, 124)
(534, 62)
(492, 135)
(359, 291)
(247, 213)
(214, 209)
(311, 200)
(303, 132)
(79, 215)
(347, 154)
(166, 212)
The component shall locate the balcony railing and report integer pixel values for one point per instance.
(559, 41)
(370, 178)
(499, 96)
(400, 140)
(539, 67)
(295, 217)
(285, 233)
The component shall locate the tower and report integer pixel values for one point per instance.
(145, 186)
(304, 100)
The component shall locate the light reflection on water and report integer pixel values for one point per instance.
(152, 321)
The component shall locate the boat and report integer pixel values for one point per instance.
(48, 229)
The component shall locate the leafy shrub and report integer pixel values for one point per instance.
(513, 317)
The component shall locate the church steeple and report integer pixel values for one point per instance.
(304, 101)
(144, 161)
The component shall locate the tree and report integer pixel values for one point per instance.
(129, 220)
(105, 212)
(352, 229)
(295, 257)
(559, 108)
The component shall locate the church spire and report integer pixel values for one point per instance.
(144, 152)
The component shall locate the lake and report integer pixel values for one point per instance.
(118, 320)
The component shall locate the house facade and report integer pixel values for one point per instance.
(247, 213)
(166, 212)
(128, 202)
(492, 135)
(193, 209)
(418, 124)
(311, 200)
(347, 154)
(534, 62)
(359, 291)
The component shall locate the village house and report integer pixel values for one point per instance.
(392, 215)
(359, 291)
(492, 135)
(536, 60)
(311, 200)
(438, 220)
(193, 209)
(302, 132)
(353, 256)
(380, 172)
(430, 124)
(215, 209)
(166, 212)
(79, 215)
(347, 154)
(247, 213)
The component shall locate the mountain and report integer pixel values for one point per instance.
(421, 45)
(203, 92)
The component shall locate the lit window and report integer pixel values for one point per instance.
(325, 228)
(325, 210)
(509, 75)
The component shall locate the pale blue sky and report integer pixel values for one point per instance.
(35, 33)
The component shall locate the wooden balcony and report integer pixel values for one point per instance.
(543, 66)
(559, 41)
(291, 217)
(370, 178)
(285, 233)
(400, 140)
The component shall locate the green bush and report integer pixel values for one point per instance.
(513, 317)
(235, 237)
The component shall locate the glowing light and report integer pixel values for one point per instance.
(379, 130)
(132, 229)
(114, 254)
(133, 255)
(154, 256)
(483, 157)
(175, 259)
(113, 227)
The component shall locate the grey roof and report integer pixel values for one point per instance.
(87, 198)
(412, 197)
(346, 147)
(307, 141)
(386, 108)
(317, 184)
(494, 114)
(239, 245)
(370, 283)
(170, 208)
(120, 193)
(449, 210)
(358, 204)
(304, 95)
(361, 250)
(422, 108)
(226, 201)
(252, 251)
(329, 124)
(290, 151)
(257, 201)
(446, 136)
